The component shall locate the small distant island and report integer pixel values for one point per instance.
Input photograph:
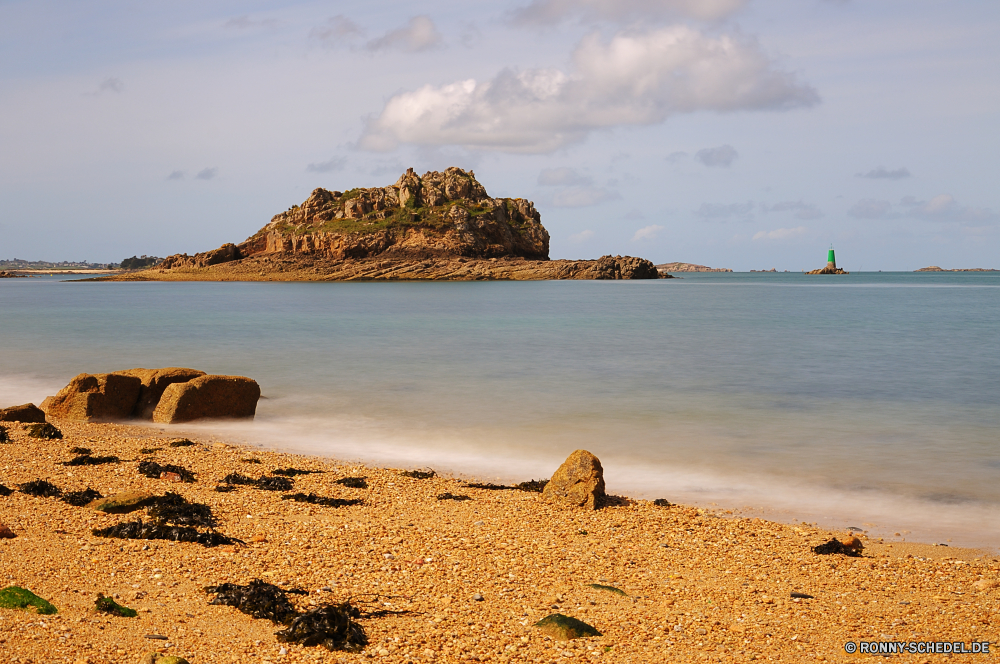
(440, 226)
(689, 267)
(935, 268)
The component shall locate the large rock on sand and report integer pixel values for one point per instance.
(208, 397)
(154, 382)
(95, 398)
(29, 412)
(578, 482)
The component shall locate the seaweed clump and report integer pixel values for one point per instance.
(662, 502)
(154, 470)
(835, 546)
(292, 472)
(451, 496)
(237, 478)
(81, 498)
(225, 488)
(80, 450)
(353, 482)
(489, 486)
(138, 530)
(533, 486)
(108, 605)
(419, 474)
(332, 626)
(274, 484)
(149, 450)
(41, 489)
(14, 597)
(174, 509)
(313, 499)
(45, 431)
(183, 442)
(4, 436)
(5, 491)
(87, 460)
(257, 599)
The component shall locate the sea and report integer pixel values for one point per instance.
(868, 401)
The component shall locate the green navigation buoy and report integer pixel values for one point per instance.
(831, 259)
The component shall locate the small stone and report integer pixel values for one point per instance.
(153, 657)
(6, 533)
(579, 482)
(171, 477)
(123, 502)
(477, 598)
(283, 651)
(258, 538)
(981, 584)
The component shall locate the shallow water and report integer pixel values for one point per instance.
(867, 400)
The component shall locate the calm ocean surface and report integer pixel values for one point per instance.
(869, 400)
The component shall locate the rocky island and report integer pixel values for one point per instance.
(439, 226)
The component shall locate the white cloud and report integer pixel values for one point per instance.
(780, 233)
(801, 210)
(338, 29)
(647, 232)
(419, 34)
(582, 236)
(548, 12)
(635, 79)
(720, 157)
(584, 196)
(334, 164)
(564, 176)
(742, 211)
(206, 174)
(176, 175)
(944, 207)
(882, 173)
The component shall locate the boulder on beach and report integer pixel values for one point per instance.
(29, 413)
(208, 397)
(579, 482)
(95, 398)
(154, 382)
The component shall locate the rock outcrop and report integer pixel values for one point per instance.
(689, 267)
(624, 267)
(434, 215)
(95, 398)
(29, 413)
(828, 270)
(154, 382)
(579, 482)
(208, 397)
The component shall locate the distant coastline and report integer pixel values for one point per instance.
(935, 268)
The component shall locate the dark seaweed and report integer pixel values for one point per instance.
(292, 472)
(4, 437)
(153, 470)
(87, 460)
(250, 460)
(149, 450)
(184, 442)
(451, 496)
(44, 430)
(81, 498)
(41, 489)
(353, 482)
(274, 484)
(153, 531)
(662, 502)
(236, 478)
(418, 474)
(174, 509)
(225, 488)
(534, 486)
(834, 546)
(489, 487)
(332, 627)
(257, 599)
(5, 491)
(108, 605)
(322, 500)
(79, 450)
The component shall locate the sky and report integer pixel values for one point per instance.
(746, 134)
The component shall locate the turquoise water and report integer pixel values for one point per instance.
(868, 400)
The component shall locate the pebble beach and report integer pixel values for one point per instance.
(444, 580)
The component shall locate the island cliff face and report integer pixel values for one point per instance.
(435, 226)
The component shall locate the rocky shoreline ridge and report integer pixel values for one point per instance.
(935, 268)
(438, 226)
(425, 567)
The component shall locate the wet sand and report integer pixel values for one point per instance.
(467, 579)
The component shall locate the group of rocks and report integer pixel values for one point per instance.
(165, 396)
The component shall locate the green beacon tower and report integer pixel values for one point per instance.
(831, 259)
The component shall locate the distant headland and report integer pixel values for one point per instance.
(439, 226)
(935, 268)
